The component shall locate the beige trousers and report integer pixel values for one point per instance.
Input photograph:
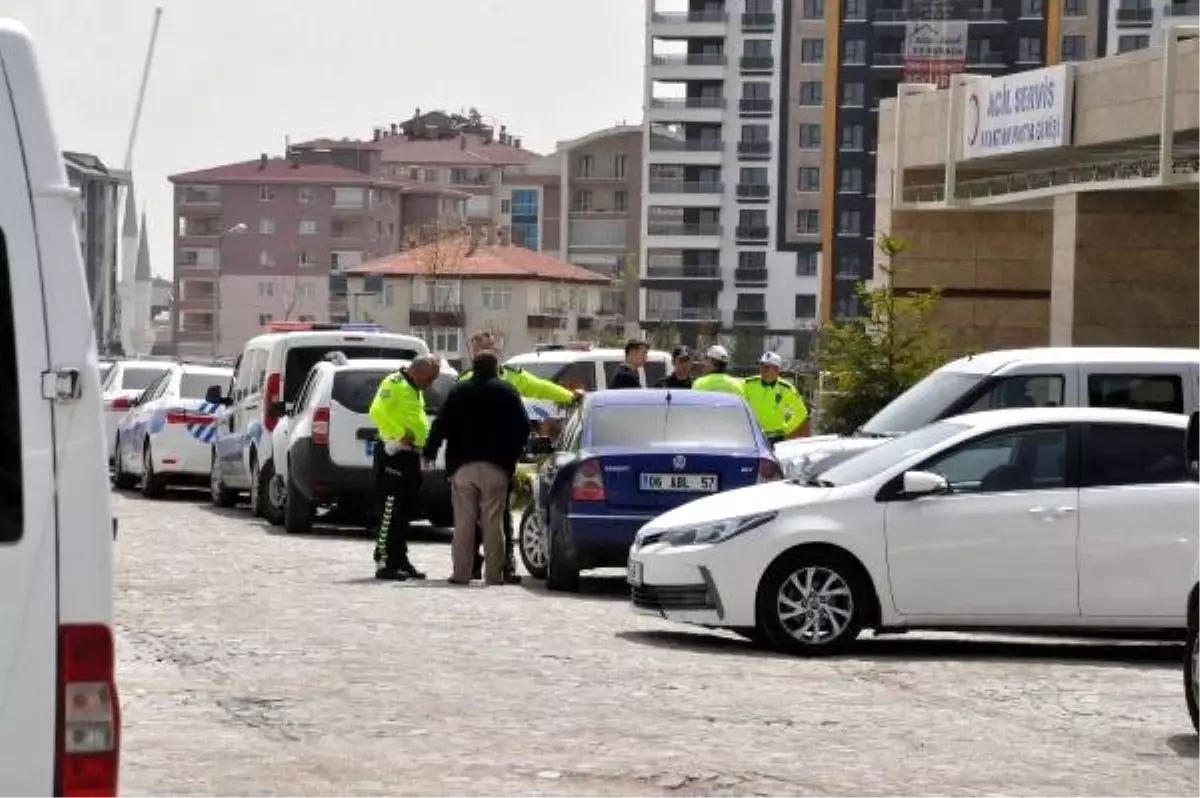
(478, 491)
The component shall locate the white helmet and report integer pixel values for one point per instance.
(717, 353)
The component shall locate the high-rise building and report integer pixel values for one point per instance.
(714, 257)
(1130, 25)
(98, 216)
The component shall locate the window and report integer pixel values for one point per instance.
(853, 137)
(1159, 392)
(620, 201)
(266, 289)
(1074, 48)
(266, 226)
(752, 302)
(809, 137)
(1002, 462)
(1029, 50)
(1129, 454)
(1127, 44)
(756, 90)
(265, 193)
(266, 258)
(1075, 8)
(851, 181)
(660, 427)
(812, 51)
(752, 218)
(813, 9)
(808, 178)
(849, 265)
(505, 207)
(1028, 390)
(850, 223)
(808, 222)
(264, 319)
(305, 290)
(389, 295)
(806, 264)
(1032, 8)
(810, 92)
(853, 94)
(753, 175)
(585, 165)
(308, 228)
(497, 298)
(578, 375)
(620, 164)
(304, 196)
(583, 201)
(306, 259)
(806, 306)
(752, 260)
(757, 47)
(855, 51)
(855, 9)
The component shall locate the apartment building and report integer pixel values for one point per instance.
(865, 53)
(271, 239)
(714, 256)
(445, 291)
(1130, 25)
(97, 218)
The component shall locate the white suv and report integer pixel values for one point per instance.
(330, 439)
(267, 378)
(587, 368)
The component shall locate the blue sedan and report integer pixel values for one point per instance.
(625, 457)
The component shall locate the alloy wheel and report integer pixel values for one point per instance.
(533, 540)
(815, 605)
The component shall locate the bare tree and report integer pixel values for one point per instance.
(288, 289)
(440, 250)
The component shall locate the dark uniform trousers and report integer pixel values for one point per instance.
(397, 480)
(510, 561)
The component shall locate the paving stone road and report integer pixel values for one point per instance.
(253, 663)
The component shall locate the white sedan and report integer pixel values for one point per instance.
(167, 435)
(1049, 518)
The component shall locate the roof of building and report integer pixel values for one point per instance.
(467, 149)
(452, 259)
(284, 170)
(598, 135)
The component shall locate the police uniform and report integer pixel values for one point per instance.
(398, 409)
(777, 405)
(529, 387)
(719, 382)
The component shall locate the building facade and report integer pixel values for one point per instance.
(272, 239)
(98, 220)
(714, 258)
(1130, 25)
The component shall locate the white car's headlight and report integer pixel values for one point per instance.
(714, 532)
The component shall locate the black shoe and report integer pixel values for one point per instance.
(409, 570)
(384, 573)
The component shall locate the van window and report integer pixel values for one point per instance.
(1160, 392)
(1023, 390)
(656, 371)
(245, 374)
(355, 390)
(302, 358)
(1129, 454)
(577, 375)
(12, 509)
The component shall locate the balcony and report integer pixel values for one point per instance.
(758, 21)
(668, 273)
(985, 14)
(441, 314)
(887, 59)
(339, 233)
(750, 192)
(675, 315)
(686, 103)
(1143, 16)
(196, 195)
(888, 16)
(754, 150)
(750, 275)
(752, 232)
(685, 187)
(688, 59)
(546, 319)
(686, 145)
(745, 316)
(757, 63)
(698, 17)
(756, 106)
(1191, 8)
(682, 229)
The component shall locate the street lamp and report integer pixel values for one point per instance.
(237, 229)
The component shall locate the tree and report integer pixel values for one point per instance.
(289, 295)
(440, 249)
(869, 361)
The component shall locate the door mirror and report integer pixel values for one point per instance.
(215, 396)
(923, 483)
(1192, 447)
(541, 446)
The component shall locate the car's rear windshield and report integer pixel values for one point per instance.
(919, 405)
(195, 386)
(354, 390)
(663, 427)
(302, 358)
(138, 378)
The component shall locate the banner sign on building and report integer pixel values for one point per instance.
(1024, 112)
(935, 41)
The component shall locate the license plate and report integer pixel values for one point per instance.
(634, 573)
(681, 483)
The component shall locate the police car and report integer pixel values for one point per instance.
(124, 381)
(331, 437)
(583, 366)
(167, 435)
(267, 379)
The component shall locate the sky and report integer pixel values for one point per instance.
(235, 78)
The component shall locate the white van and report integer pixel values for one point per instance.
(266, 380)
(582, 366)
(59, 716)
(1166, 380)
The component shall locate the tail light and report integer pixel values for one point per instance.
(769, 471)
(271, 396)
(320, 426)
(120, 403)
(180, 416)
(89, 715)
(589, 484)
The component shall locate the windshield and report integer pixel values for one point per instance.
(195, 386)
(875, 461)
(663, 426)
(547, 371)
(301, 359)
(139, 378)
(919, 405)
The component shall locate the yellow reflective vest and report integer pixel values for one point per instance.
(719, 382)
(778, 406)
(398, 409)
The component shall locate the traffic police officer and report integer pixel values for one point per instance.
(398, 411)
(716, 379)
(776, 403)
(529, 387)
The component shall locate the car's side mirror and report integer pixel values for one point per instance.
(923, 483)
(1192, 447)
(215, 396)
(541, 446)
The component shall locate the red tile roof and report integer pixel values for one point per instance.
(282, 170)
(449, 259)
(466, 150)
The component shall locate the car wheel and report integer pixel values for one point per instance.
(153, 486)
(297, 511)
(122, 479)
(260, 492)
(811, 603)
(531, 538)
(277, 497)
(1191, 670)
(562, 559)
(220, 495)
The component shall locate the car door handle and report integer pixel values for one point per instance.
(1064, 510)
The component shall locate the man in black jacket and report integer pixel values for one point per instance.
(627, 374)
(485, 427)
(681, 374)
